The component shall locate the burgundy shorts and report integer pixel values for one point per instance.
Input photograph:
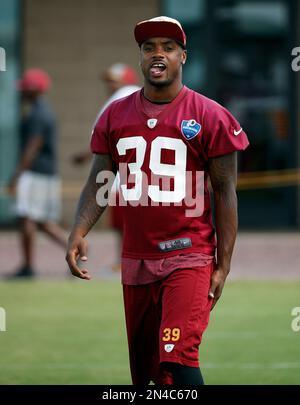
(165, 321)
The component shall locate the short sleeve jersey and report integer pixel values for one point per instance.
(163, 164)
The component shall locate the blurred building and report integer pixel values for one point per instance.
(239, 53)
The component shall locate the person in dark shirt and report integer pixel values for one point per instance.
(35, 181)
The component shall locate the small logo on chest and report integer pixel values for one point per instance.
(151, 123)
(190, 128)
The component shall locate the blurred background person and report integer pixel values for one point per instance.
(120, 80)
(35, 182)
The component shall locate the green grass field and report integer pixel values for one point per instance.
(73, 332)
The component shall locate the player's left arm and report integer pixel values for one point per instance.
(223, 176)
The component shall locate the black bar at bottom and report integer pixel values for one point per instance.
(133, 394)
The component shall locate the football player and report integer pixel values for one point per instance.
(166, 140)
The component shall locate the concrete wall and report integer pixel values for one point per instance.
(74, 40)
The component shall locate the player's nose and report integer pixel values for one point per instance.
(158, 52)
(158, 56)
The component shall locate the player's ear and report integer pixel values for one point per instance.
(183, 57)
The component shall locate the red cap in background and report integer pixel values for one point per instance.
(34, 80)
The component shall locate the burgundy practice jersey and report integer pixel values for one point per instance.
(163, 163)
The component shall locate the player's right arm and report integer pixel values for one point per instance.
(88, 213)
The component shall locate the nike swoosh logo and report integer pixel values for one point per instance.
(237, 132)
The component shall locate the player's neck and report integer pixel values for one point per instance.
(161, 94)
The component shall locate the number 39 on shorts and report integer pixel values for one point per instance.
(171, 335)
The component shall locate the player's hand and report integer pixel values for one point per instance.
(217, 283)
(77, 250)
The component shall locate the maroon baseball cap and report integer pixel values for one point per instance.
(160, 27)
(34, 80)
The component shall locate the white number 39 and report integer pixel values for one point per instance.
(176, 170)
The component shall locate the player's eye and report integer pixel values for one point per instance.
(147, 48)
(168, 47)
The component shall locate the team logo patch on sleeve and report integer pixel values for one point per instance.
(190, 128)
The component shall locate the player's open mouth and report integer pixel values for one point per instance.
(157, 69)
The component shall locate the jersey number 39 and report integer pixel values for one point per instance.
(176, 170)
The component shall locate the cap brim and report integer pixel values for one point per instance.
(22, 85)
